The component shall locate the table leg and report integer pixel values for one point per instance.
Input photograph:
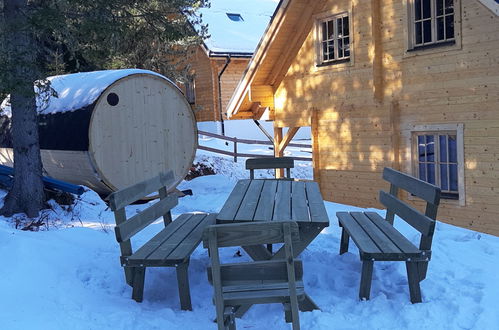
(258, 252)
(308, 232)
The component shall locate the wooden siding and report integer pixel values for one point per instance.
(365, 109)
(206, 71)
(204, 107)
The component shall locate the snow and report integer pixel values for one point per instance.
(77, 90)
(68, 276)
(227, 36)
(247, 129)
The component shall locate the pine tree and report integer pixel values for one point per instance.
(43, 37)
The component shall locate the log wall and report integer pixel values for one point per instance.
(365, 109)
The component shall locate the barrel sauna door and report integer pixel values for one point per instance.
(141, 125)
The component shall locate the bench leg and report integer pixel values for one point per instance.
(139, 274)
(129, 275)
(291, 316)
(345, 238)
(422, 269)
(413, 279)
(184, 292)
(365, 279)
(229, 319)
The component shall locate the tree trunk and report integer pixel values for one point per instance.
(27, 194)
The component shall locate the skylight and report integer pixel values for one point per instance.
(235, 17)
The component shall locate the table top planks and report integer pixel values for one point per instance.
(274, 200)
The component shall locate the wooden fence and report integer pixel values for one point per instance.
(235, 141)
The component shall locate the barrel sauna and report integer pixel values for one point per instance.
(110, 129)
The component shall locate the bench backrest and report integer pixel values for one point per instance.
(252, 273)
(424, 223)
(270, 163)
(127, 228)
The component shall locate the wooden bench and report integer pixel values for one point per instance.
(253, 164)
(378, 240)
(171, 247)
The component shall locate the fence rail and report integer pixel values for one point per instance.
(235, 141)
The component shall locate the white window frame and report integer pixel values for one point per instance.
(458, 130)
(319, 48)
(454, 42)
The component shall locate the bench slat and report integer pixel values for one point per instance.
(315, 202)
(189, 244)
(128, 195)
(257, 271)
(269, 162)
(379, 238)
(422, 189)
(250, 201)
(397, 238)
(416, 219)
(299, 207)
(262, 296)
(163, 252)
(141, 254)
(265, 207)
(282, 209)
(132, 226)
(231, 206)
(358, 235)
(237, 234)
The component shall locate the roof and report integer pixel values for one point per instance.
(278, 47)
(77, 90)
(241, 34)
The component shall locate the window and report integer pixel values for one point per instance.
(235, 17)
(190, 92)
(432, 22)
(438, 158)
(334, 38)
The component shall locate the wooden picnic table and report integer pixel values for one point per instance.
(277, 200)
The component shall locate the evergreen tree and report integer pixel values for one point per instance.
(44, 37)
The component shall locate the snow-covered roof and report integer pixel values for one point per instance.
(77, 90)
(239, 35)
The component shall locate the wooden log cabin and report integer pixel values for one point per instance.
(408, 84)
(234, 28)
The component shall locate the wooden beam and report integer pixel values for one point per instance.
(279, 173)
(314, 125)
(378, 75)
(287, 138)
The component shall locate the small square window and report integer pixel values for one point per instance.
(235, 17)
(334, 39)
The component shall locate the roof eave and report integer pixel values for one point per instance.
(245, 81)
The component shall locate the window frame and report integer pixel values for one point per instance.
(320, 62)
(448, 44)
(436, 129)
(190, 91)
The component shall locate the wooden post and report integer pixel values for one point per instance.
(314, 123)
(279, 173)
(235, 150)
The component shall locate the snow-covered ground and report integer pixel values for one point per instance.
(67, 276)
